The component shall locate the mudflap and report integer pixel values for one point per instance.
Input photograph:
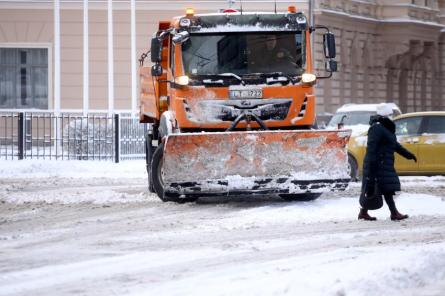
(255, 162)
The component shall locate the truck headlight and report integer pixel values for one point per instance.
(308, 78)
(182, 80)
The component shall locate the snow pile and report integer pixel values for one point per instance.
(47, 276)
(353, 271)
(72, 169)
(431, 182)
(100, 196)
(415, 184)
(236, 248)
(325, 210)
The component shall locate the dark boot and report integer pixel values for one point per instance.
(365, 216)
(395, 214)
(398, 216)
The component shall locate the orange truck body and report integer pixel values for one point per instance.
(152, 92)
(208, 154)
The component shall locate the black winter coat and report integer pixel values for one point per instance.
(378, 164)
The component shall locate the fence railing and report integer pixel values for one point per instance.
(44, 135)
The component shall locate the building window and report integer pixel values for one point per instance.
(24, 78)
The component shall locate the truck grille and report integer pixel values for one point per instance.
(229, 110)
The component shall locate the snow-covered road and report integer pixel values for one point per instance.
(82, 228)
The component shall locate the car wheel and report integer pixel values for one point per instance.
(352, 168)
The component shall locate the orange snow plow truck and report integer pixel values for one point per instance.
(230, 101)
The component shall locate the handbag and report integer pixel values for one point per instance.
(372, 201)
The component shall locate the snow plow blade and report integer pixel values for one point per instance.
(255, 162)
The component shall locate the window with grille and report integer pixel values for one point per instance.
(24, 78)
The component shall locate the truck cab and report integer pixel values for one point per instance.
(230, 99)
(211, 69)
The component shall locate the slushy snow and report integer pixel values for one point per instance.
(92, 228)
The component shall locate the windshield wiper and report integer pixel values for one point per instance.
(278, 79)
(210, 78)
(211, 81)
(280, 75)
(232, 75)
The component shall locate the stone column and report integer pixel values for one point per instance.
(439, 102)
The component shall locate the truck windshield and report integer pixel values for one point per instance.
(244, 53)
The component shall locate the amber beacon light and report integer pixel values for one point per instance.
(189, 12)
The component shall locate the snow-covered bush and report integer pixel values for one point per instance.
(87, 138)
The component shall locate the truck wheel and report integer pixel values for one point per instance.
(148, 157)
(156, 171)
(353, 168)
(156, 176)
(300, 196)
(150, 183)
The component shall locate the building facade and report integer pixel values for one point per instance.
(387, 51)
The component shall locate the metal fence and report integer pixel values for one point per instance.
(44, 135)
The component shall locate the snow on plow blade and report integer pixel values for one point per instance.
(256, 162)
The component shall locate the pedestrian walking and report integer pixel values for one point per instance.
(379, 174)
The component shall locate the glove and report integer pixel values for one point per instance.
(413, 157)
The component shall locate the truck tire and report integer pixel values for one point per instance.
(300, 196)
(156, 176)
(148, 157)
(353, 168)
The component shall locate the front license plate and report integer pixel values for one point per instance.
(246, 94)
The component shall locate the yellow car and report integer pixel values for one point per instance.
(422, 133)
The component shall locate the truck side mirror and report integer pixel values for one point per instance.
(181, 37)
(156, 70)
(329, 45)
(331, 66)
(156, 50)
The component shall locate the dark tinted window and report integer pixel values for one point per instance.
(408, 126)
(244, 53)
(24, 78)
(435, 125)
